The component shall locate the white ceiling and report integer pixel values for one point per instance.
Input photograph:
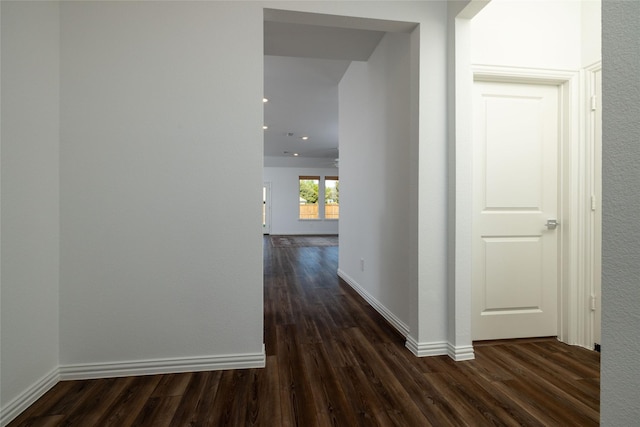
(303, 65)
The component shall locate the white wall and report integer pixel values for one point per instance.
(460, 177)
(591, 32)
(528, 33)
(161, 252)
(429, 300)
(620, 398)
(30, 191)
(160, 173)
(558, 34)
(160, 155)
(285, 195)
(374, 164)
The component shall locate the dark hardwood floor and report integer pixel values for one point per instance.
(333, 361)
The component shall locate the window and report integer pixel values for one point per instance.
(309, 186)
(331, 197)
(311, 204)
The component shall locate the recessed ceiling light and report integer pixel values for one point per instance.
(265, 127)
(295, 154)
(304, 138)
(265, 100)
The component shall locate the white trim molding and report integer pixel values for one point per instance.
(494, 73)
(590, 267)
(457, 353)
(163, 366)
(393, 320)
(28, 397)
(443, 348)
(423, 349)
(461, 352)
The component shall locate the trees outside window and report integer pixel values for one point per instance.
(310, 200)
(331, 197)
(309, 186)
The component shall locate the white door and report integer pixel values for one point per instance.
(515, 248)
(266, 208)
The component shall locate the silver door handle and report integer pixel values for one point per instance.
(552, 224)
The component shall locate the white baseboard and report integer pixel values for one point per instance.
(441, 348)
(460, 353)
(423, 349)
(28, 397)
(398, 324)
(163, 366)
(122, 369)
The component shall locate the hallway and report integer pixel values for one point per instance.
(340, 363)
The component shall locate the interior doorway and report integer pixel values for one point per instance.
(378, 158)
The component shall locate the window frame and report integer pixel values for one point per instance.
(302, 217)
(335, 178)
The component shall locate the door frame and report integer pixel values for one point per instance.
(266, 186)
(572, 159)
(593, 260)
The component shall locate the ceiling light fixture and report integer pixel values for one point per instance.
(265, 100)
(295, 154)
(304, 138)
(265, 127)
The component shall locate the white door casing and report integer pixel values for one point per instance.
(516, 176)
(266, 208)
(594, 142)
(597, 221)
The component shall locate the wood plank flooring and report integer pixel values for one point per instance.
(333, 361)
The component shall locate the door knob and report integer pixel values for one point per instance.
(552, 224)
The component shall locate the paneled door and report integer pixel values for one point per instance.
(515, 223)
